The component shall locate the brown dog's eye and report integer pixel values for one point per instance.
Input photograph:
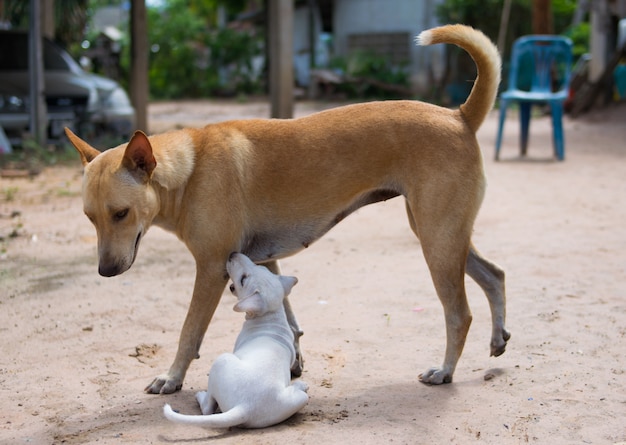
(120, 215)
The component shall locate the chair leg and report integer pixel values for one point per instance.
(503, 106)
(524, 114)
(556, 109)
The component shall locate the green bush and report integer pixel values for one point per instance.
(366, 74)
(190, 60)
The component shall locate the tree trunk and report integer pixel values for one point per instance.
(542, 17)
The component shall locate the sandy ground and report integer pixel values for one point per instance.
(77, 349)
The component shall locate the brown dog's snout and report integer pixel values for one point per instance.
(109, 270)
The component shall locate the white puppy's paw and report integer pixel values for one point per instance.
(299, 384)
(207, 404)
(164, 384)
(436, 376)
(201, 397)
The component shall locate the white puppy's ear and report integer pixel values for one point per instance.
(251, 305)
(288, 283)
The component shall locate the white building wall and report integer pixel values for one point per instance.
(374, 16)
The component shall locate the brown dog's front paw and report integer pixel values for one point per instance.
(435, 376)
(163, 384)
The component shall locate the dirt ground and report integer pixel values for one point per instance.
(77, 349)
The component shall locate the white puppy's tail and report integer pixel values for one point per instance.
(487, 59)
(232, 417)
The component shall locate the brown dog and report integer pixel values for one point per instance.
(269, 188)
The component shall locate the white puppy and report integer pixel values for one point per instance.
(252, 386)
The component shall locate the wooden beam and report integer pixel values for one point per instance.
(47, 18)
(504, 26)
(542, 17)
(281, 57)
(38, 110)
(139, 90)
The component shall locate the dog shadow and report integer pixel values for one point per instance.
(218, 435)
(398, 401)
(353, 405)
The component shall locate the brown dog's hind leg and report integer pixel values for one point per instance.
(445, 243)
(491, 279)
(209, 285)
(448, 280)
(298, 365)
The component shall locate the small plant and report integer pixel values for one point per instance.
(9, 193)
(32, 157)
(15, 230)
(66, 193)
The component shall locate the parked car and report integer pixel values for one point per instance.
(90, 104)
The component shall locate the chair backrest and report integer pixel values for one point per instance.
(541, 63)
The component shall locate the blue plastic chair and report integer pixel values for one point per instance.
(539, 74)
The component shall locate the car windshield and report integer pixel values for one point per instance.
(14, 54)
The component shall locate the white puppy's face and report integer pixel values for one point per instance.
(258, 290)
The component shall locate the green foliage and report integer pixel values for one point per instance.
(173, 35)
(208, 8)
(580, 37)
(70, 17)
(16, 12)
(367, 73)
(485, 15)
(231, 54)
(188, 59)
(33, 157)
(562, 13)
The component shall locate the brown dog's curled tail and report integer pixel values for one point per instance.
(487, 59)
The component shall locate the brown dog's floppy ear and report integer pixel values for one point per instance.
(86, 151)
(138, 156)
